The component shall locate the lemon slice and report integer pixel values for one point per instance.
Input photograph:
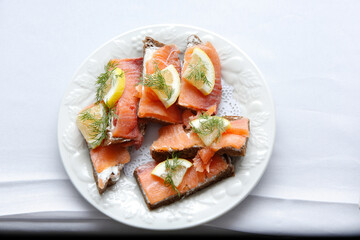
(181, 165)
(200, 72)
(115, 87)
(172, 81)
(210, 128)
(92, 124)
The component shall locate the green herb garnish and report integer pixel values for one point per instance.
(197, 73)
(171, 167)
(102, 79)
(98, 126)
(208, 125)
(157, 81)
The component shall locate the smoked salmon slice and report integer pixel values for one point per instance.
(126, 127)
(157, 194)
(159, 55)
(190, 97)
(174, 139)
(229, 143)
(239, 126)
(107, 162)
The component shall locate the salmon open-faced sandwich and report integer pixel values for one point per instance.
(160, 85)
(125, 127)
(110, 126)
(185, 141)
(201, 87)
(159, 190)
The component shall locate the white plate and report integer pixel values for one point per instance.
(245, 92)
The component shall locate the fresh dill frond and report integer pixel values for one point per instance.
(197, 73)
(97, 126)
(102, 79)
(171, 167)
(112, 113)
(209, 124)
(157, 81)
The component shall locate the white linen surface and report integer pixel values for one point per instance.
(308, 52)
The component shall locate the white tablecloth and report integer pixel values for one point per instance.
(308, 52)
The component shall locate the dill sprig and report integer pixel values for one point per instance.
(157, 81)
(197, 73)
(112, 113)
(171, 167)
(102, 79)
(98, 126)
(208, 125)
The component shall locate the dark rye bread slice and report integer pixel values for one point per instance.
(107, 163)
(225, 173)
(108, 183)
(189, 153)
(150, 43)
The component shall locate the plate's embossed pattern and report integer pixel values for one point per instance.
(244, 93)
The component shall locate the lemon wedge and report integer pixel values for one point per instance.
(92, 124)
(168, 94)
(174, 168)
(114, 87)
(200, 72)
(209, 128)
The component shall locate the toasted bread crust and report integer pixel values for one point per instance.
(228, 172)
